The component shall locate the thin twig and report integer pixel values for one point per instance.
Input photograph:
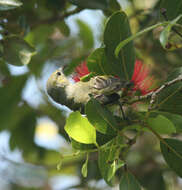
(153, 95)
(139, 98)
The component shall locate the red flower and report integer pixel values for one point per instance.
(141, 78)
(80, 71)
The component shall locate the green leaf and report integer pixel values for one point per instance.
(85, 34)
(165, 40)
(40, 34)
(107, 164)
(114, 167)
(97, 62)
(100, 118)
(170, 98)
(17, 51)
(74, 63)
(135, 127)
(153, 179)
(113, 6)
(63, 27)
(79, 128)
(9, 99)
(173, 8)
(117, 29)
(161, 125)
(175, 119)
(23, 129)
(111, 171)
(94, 4)
(129, 182)
(123, 43)
(80, 146)
(173, 154)
(84, 167)
(9, 4)
(103, 138)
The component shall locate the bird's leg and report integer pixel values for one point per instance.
(122, 111)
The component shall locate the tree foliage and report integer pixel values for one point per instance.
(119, 142)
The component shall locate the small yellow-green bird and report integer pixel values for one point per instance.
(76, 95)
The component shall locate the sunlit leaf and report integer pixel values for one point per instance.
(79, 128)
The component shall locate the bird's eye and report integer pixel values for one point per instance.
(58, 73)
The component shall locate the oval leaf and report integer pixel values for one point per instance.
(161, 125)
(117, 29)
(79, 128)
(100, 118)
(173, 155)
(129, 182)
(175, 119)
(17, 51)
(170, 98)
(9, 4)
(97, 62)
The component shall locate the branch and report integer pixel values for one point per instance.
(138, 98)
(165, 85)
(56, 18)
(153, 95)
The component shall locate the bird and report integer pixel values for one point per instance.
(103, 88)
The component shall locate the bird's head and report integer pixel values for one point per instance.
(56, 84)
(57, 79)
